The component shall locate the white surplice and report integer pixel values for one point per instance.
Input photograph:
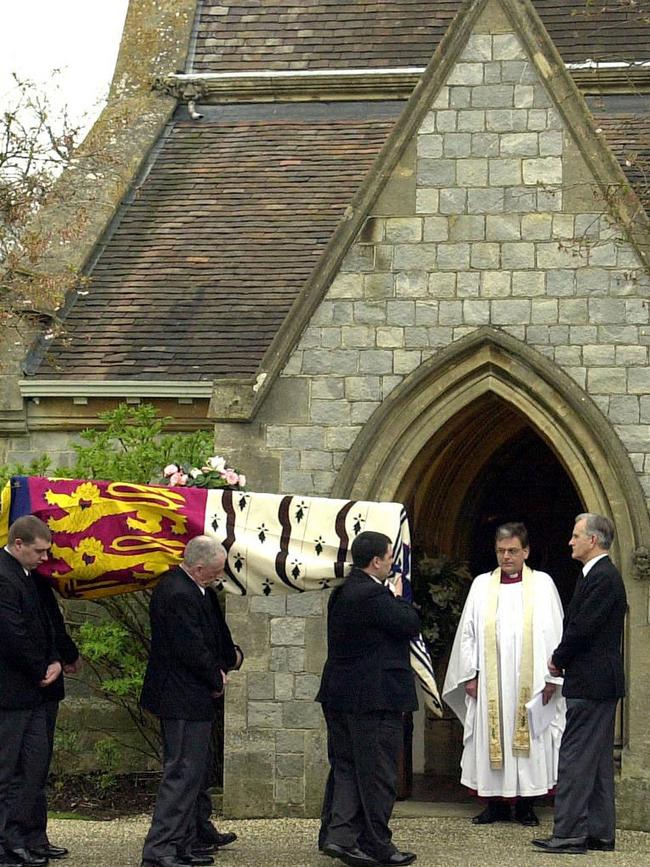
(520, 776)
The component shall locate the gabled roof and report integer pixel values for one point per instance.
(216, 242)
(247, 35)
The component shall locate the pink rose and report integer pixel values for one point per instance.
(231, 477)
(177, 479)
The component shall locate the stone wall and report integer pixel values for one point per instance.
(491, 218)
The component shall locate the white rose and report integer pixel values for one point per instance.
(195, 472)
(216, 463)
(170, 469)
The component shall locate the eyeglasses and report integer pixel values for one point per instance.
(501, 552)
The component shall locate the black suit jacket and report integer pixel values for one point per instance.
(590, 650)
(65, 647)
(26, 637)
(187, 651)
(368, 660)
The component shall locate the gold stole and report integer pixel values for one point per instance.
(521, 743)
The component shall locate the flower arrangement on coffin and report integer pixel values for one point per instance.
(214, 474)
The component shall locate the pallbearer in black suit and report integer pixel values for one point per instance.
(367, 684)
(184, 679)
(29, 664)
(589, 657)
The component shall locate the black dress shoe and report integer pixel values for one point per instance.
(601, 845)
(526, 817)
(496, 811)
(562, 845)
(167, 861)
(26, 858)
(204, 848)
(398, 859)
(216, 839)
(49, 851)
(352, 855)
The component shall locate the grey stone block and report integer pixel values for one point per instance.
(466, 227)
(529, 284)
(309, 604)
(518, 72)
(599, 356)
(485, 144)
(568, 356)
(326, 389)
(390, 337)
(446, 120)
(536, 227)
(312, 459)
(468, 284)
(308, 436)
(510, 312)
(330, 338)
(400, 312)
(273, 605)
(517, 254)
(485, 255)
(329, 412)
(492, 72)
(485, 201)
(346, 286)
(359, 259)
(638, 382)
(284, 682)
(436, 172)
(290, 765)
(457, 144)
(478, 48)
(522, 144)
(412, 284)
(369, 313)
(416, 337)
(453, 201)
(606, 380)
(607, 311)
(524, 96)
(493, 96)
(439, 336)
(290, 741)
(495, 284)
(341, 437)
(436, 229)
(537, 119)
(560, 283)
(362, 388)
(632, 356)
(307, 686)
(260, 685)
(430, 145)
(549, 200)
(637, 311)
(472, 172)
(624, 409)
(375, 287)
(459, 97)
(507, 46)
(354, 337)
(537, 335)
(403, 229)
(506, 120)
(544, 311)
(442, 284)
(471, 121)
(519, 199)
(503, 227)
(296, 658)
(289, 790)
(476, 311)
(466, 74)
(287, 631)
(551, 143)
(404, 361)
(426, 312)
(582, 334)
(542, 99)
(551, 256)
(453, 257)
(505, 172)
(426, 201)
(337, 361)
(264, 714)
(277, 436)
(544, 170)
(618, 334)
(450, 313)
(415, 256)
(635, 436)
(301, 714)
(375, 361)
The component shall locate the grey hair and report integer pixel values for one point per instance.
(598, 526)
(202, 550)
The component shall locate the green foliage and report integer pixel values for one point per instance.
(133, 448)
(107, 754)
(38, 467)
(440, 587)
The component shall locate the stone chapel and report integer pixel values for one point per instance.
(392, 250)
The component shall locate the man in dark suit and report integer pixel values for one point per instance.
(367, 684)
(29, 664)
(34, 815)
(185, 676)
(589, 657)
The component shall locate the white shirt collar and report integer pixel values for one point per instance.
(591, 563)
(202, 589)
(26, 571)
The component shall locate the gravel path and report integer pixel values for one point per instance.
(439, 842)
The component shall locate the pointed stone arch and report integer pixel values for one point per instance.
(490, 363)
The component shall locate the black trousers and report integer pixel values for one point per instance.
(365, 748)
(584, 800)
(185, 752)
(24, 762)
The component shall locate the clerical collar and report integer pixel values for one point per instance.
(510, 579)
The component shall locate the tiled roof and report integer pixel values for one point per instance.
(628, 135)
(251, 35)
(217, 241)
